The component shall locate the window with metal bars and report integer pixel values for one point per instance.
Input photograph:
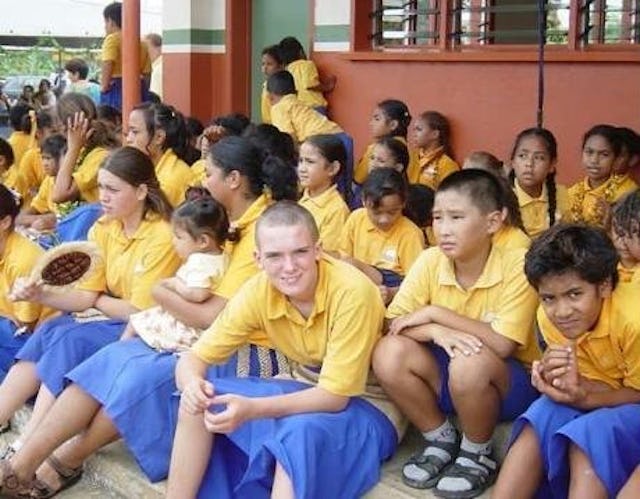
(451, 24)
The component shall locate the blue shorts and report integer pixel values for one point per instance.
(520, 395)
(390, 278)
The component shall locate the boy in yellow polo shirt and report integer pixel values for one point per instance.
(291, 115)
(470, 301)
(319, 312)
(591, 362)
(378, 239)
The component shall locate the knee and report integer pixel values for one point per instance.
(469, 373)
(389, 357)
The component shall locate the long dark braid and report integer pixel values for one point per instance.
(552, 196)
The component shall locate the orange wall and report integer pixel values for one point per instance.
(488, 103)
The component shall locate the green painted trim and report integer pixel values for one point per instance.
(332, 32)
(193, 37)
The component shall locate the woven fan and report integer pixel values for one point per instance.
(66, 264)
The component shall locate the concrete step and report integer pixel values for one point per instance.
(113, 473)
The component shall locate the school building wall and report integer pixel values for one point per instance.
(489, 95)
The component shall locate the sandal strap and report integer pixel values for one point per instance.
(11, 485)
(432, 463)
(65, 472)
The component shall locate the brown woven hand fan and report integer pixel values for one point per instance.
(66, 264)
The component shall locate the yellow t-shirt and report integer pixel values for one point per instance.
(174, 176)
(339, 335)
(131, 266)
(584, 201)
(111, 52)
(628, 275)
(395, 249)
(18, 259)
(242, 264)
(31, 169)
(43, 203)
(433, 167)
(361, 171)
(305, 74)
(20, 143)
(300, 121)
(509, 237)
(535, 211)
(611, 351)
(500, 297)
(86, 174)
(330, 213)
(198, 172)
(265, 105)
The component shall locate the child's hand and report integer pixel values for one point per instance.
(567, 389)
(399, 323)
(197, 396)
(451, 340)
(555, 362)
(237, 410)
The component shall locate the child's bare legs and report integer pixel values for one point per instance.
(74, 452)
(72, 412)
(41, 406)
(410, 376)
(477, 384)
(631, 488)
(20, 384)
(192, 447)
(282, 486)
(521, 471)
(584, 483)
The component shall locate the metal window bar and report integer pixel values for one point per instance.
(609, 22)
(408, 23)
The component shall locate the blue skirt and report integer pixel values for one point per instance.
(60, 344)
(9, 345)
(135, 383)
(113, 96)
(610, 437)
(336, 455)
(76, 225)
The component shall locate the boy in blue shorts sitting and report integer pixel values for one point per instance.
(589, 375)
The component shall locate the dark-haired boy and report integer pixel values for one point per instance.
(592, 359)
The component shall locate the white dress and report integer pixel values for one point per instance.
(161, 330)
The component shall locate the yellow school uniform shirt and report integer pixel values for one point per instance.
(339, 335)
(330, 213)
(20, 143)
(628, 275)
(131, 266)
(174, 176)
(111, 52)
(42, 202)
(242, 264)
(535, 211)
(292, 116)
(18, 259)
(395, 249)
(305, 75)
(198, 172)
(610, 352)
(433, 167)
(361, 171)
(584, 201)
(31, 169)
(86, 174)
(265, 105)
(509, 237)
(500, 297)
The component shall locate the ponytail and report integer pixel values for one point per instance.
(156, 200)
(552, 196)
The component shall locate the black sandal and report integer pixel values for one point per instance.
(10, 485)
(480, 478)
(68, 478)
(430, 463)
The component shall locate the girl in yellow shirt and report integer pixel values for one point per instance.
(625, 233)
(542, 202)
(390, 118)
(271, 62)
(321, 160)
(123, 389)
(134, 243)
(18, 256)
(159, 131)
(590, 200)
(432, 137)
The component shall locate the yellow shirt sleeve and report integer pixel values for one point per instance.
(86, 176)
(414, 292)
(361, 171)
(281, 118)
(265, 105)
(233, 328)
(110, 48)
(42, 202)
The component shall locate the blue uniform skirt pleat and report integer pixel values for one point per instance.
(10, 344)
